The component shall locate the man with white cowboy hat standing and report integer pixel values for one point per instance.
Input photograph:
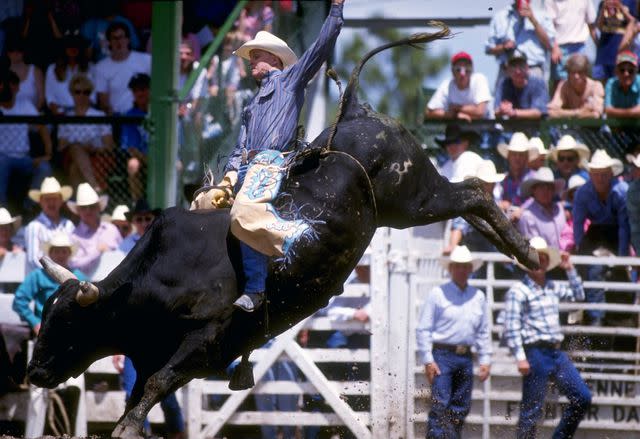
(544, 216)
(633, 202)
(8, 227)
(50, 197)
(37, 287)
(532, 332)
(92, 236)
(269, 124)
(517, 153)
(454, 318)
(603, 200)
(570, 157)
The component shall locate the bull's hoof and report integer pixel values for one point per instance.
(242, 377)
(127, 432)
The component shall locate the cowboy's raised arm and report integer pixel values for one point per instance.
(311, 60)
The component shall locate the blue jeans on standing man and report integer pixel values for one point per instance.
(548, 363)
(450, 394)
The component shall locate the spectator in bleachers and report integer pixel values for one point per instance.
(224, 74)
(40, 32)
(525, 29)
(114, 72)
(134, 141)
(570, 158)
(51, 196)
(521, 95)
(633, 202)
(71, 60)
(567, 242)
(517, 153)
(603, 201)
(15, 159)
(31, 80)
(88, 147)
(9, 225)
(622, 93)
(96, 31)
(454, 317)
(461, 162)
(613, 17)
(544, 216)
(532, 332)
(577, 95)
(188, 63)
(573, 21)
(537, 154)
(630, 39)
(256, 16)
(141, 216)
(466, 96)
(118, 218)
(38, 286)
(92, 236)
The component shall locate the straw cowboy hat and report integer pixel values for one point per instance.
(568, 143)
(51, 186)
(487, 172)
(6, 218)
(536, 148)
(541, 246)
(267, 41)
(58, 239)
(542, 175)
(461, 255)
(518, 143)
(87, 196)
(602, 160)
(118, 214)
(634, 160)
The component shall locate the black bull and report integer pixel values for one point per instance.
(168, 305)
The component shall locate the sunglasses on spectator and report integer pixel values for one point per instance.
(143, 219)
(85, 92)
(566, 158)
(629, 70)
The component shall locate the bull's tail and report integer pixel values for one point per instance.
(349, 102)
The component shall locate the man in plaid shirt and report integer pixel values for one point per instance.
(532, 331)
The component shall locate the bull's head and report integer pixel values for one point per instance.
(62, 347)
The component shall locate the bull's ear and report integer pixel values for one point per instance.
(87, 294)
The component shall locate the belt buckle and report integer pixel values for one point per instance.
(461, 350)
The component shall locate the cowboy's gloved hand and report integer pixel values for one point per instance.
(221, 197)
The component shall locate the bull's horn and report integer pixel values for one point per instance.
(56, 271)
(87, 294)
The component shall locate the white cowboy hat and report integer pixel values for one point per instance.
(267, 41)
(51, 186)
(541, 246)
(6, 218)
(634, 160)
(58, 239)
(542, 175)
(602, 160)
(536, 148)
(574, 183)
(568, 143)
(87, 196)
(118, 214)
(518, 143)
(461, 255)
(487, 172)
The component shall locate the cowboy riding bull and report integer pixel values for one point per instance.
(169, 304)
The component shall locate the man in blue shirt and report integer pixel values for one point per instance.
(269, 123)
(532, 332)
(454, 317)
(520, 95)
(622, 93)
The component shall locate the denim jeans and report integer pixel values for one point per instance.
(546, 364)
(254, 263)
(173, 419)
(450, 394)
(24, 167)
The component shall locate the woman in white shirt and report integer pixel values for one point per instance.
(71, 60)
(31, 80)
(87, 147)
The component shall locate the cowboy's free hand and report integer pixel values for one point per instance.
(431, 370)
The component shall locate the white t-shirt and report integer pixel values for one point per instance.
(571, 19)
(112, 77)
(85, 133)
(14, 140)
(465, 165)
(58, 92)
(448, 93)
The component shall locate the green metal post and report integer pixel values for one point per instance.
(163, 142)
